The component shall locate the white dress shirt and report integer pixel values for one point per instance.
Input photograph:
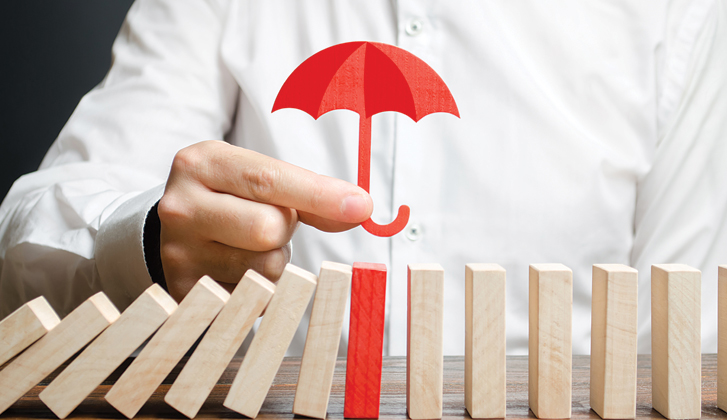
(590, 132)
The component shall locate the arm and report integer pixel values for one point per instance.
(76, 226)
(681, 212)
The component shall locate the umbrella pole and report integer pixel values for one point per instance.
(364, 152)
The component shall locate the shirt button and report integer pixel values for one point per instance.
(414, 233)
(414, 27)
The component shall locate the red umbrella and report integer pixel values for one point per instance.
(367, 78)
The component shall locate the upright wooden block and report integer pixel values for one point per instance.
(266, 352)
(550, 342)
(219, 345)
(321, 344)
(365, 341)
(167, 346)
(25, 326)
(484, 352)
(614, 313)
(722, 339)
(424, 345)
(58, 345)
(676, 360)
(136, 324)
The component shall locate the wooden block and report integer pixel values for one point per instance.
(365, 341)
(484, 360)
(58, 345)
(614, 313)
(206, 365)
(321, 344)
(722, 339)
(136, 324)
(550, 342)
(266, 352)
(676, 362)
(25, 326)
(424, 345)
(167, 346)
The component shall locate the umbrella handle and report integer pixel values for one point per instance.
(402, 218)
(364, 170)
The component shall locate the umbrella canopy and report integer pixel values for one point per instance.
(367, 78)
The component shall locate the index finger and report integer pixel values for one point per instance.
(260, 178)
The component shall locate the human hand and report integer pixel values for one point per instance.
(226, 209)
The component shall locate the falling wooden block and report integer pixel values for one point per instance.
(167, 346)
(135, 325)
(268, 347)
(722, 339)
(25, 326)
(676, 362)
(365, 341)
(206, 365)
(614, 313)
(58, 345)
(424, 345)
(321, 344)
(550, 342)
(484, 386)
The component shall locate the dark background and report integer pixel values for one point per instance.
(51, 54)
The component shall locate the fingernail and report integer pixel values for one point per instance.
(354, 207)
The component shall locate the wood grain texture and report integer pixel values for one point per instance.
(676, 292)
(107, 352)
(279, 403)
(217, 348)
(25, 326)
(57, 346)
(167, 347)
(313, 388)
(268, 347)
(550, 341)
(424, 345)
(485, 380)
(722, 338)
(365, 341)
(614, 313)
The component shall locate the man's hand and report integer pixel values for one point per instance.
(226, 209)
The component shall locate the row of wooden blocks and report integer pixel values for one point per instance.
(42, 342)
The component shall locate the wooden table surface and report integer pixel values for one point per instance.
(279, 402)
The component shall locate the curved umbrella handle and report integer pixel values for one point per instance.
(402, 218)
(364, 169)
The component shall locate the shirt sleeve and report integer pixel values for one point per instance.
(75, 226)
(681, 209)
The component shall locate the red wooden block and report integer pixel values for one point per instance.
(365, 341)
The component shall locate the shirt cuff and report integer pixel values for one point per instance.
(119, 249)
